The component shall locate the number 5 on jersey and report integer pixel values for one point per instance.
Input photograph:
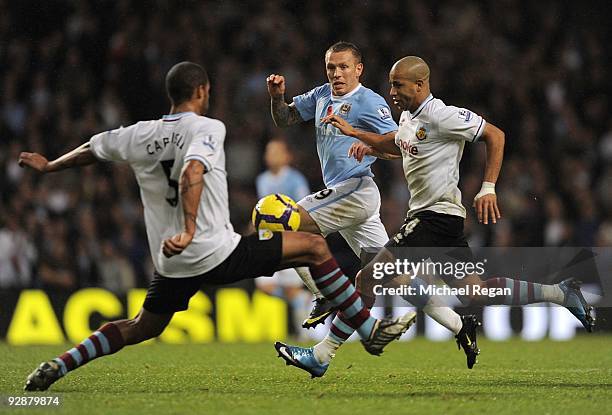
(172, 193)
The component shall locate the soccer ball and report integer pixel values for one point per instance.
(276, 212)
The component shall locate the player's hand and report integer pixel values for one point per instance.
(176, 244)
(359, 150)
(340, 123)
(486, 207)
(276, 86)
(34, 161)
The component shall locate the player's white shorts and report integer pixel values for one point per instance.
(351, 208)
(283, 278)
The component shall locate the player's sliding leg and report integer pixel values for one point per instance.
(566, 293)
(338, 289)
(108, 339)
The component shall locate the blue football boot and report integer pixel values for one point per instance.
(574, 301)
(301, 357)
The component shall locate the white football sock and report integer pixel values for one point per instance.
(446, 316)
(553, 294)
(304, 274)
(325, 350)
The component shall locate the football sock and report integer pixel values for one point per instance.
(104, 341)
(325, 350)
(445, 316)
(434, 307)
(304, 274)
(524, 292)
(339, 290)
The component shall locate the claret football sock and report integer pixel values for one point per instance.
(524, 292)
(339, 290)
(107, 340)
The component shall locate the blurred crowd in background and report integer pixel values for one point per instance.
(70, 69)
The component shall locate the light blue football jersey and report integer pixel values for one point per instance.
(363, 109)
(288, 181)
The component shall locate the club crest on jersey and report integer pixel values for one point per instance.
(464, 115)
(421, 134)
(384, 113)
(345, 108)
(265, 234)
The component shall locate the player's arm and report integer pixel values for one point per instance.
(80, 156)
(283, 114)
(359, 150)
(485, 201)
(383, 144)
(191, 185)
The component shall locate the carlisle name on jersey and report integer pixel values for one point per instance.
(157, 150)
(363, 109)
(431, 141)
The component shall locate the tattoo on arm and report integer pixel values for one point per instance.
(283, 114)
(190, 217)
(186, 184)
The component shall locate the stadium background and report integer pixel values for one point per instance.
(71, 69)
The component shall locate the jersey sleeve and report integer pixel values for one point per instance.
(306, 104)
(460, 124)
(112, 145)
(207, 145)
(376, 116)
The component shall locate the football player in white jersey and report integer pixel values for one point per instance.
(430, 139)
(179, 163)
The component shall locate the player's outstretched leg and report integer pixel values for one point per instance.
(566, 293)
(108, 339)
(339, 290)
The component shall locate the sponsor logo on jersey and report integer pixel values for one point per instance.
(384, 113)
(265, 234)
(421, 134)
(409, 148)
(464, 115)
(345, 108)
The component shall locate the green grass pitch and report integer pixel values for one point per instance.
(420, 377)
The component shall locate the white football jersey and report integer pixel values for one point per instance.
(431, 141)
(157, 150)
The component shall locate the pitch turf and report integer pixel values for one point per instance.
(416, 377)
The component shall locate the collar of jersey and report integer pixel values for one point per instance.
(418, 110)
(342, 97)
(178, 115)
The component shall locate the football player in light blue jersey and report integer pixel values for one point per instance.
(362, 106)
(350, 204)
